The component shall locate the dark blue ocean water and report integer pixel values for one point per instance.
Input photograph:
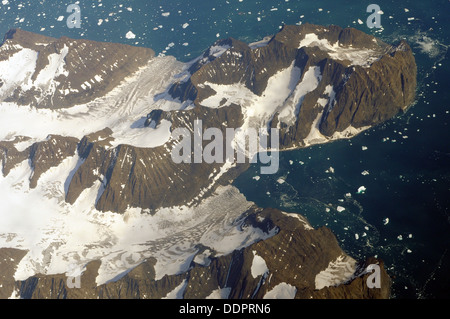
(403, 216)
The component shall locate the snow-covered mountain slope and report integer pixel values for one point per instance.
(85, 152)
(288, 263)
(59, 73)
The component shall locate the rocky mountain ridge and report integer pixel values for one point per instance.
(250, 273)
(351, 67)
(56, 77)
(313, 83)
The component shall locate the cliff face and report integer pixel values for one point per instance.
(313, 83)
(359, 102)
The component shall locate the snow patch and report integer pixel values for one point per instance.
(356, 56)
(16, 70)
(259, 266)
(55, 67)
(281, 291)
(220, 293)
(339, 271)
(178, 292)
(302, 219)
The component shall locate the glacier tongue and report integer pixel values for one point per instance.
(121, 109)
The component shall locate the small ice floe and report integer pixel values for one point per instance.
(256, 178)
(281, 180)
(348, 195)
(330, 170)
(356, 236)
(327, 210)
(400, 237)
(364, 148)
(386, 221)
(362, 190)
(291, 162)
(365, 173)
(409, 251)
(340, 209)
(130, 35)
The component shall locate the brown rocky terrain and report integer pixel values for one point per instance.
(91, 69)
(358, 102)
(365, 94)
(9, 259)
(295, 255)
(41, 155)
(147, 178)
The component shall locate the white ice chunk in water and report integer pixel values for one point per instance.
(361, 190)
(130, 35)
